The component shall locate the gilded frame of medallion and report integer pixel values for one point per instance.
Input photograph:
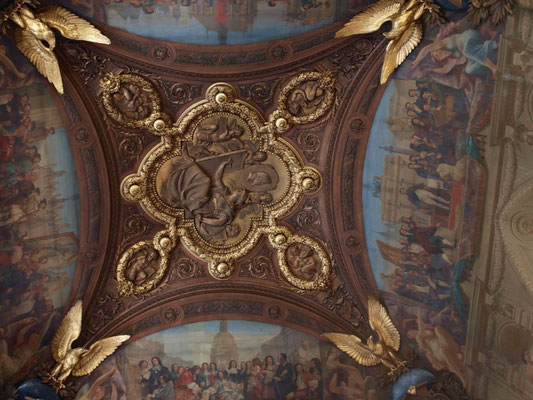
(220, 100)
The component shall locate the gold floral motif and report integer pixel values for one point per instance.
(220, 178)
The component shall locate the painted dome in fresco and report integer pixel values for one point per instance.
(217, 22)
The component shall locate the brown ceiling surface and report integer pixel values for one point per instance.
(105, 152)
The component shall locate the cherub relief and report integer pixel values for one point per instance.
(303, 261)
(142, 266)
(305, 100)
(219, 138)
(132, 102)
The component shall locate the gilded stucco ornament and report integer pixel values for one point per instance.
(377, 350)
(407, 17)
(406, 31)
(77, 361)
(220, 179)
(36, 40)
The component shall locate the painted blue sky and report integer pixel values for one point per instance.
(374, 162)
(177, 24)
(56, 150)
(193, 341)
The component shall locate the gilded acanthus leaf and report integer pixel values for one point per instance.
(371, 19)
(376, 350)
(398, 49)
(77, 361)
(36, 40)
(406, 31)
(68, 331)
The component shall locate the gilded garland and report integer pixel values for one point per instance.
(220, 178)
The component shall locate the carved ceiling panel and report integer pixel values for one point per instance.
(219, 182)
(279, 148)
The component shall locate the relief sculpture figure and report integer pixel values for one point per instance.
(304, 100)
(218, 138)
(142, 266)
(132, 102)
(303, 261)
(211, 202)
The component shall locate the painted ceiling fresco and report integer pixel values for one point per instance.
(218, 22)
(233, 360)
(227, 182)
(40, 215)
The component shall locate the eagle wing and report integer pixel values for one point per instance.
(97, 353)
(41, 56)
(371, 19)
(398, 49)
(353, 346)
(382, 324)
(70, 25)
(68, 331)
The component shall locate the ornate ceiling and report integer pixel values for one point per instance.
(230, 167)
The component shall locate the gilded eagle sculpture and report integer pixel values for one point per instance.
(406, 32)
(36, 40)
(77, 361)
(373, 352)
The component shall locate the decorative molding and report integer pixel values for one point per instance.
(515, 223)
(261, 93)
(223, 307)
(260, 266)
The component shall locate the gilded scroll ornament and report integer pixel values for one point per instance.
(220, 178)
(406, 31)
(77, 361)
(36, 40)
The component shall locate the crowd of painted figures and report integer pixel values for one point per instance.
(253, 380)
(24, 287)
(27, 283)
(424, 271)
(20, 202)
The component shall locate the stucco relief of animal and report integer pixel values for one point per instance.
(406, 31)
(78, 361)
(380, 350)
(36, 40)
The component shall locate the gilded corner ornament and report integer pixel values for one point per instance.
(220, 178)
(77, 361)
(405, 34)
(382, 349)
(36, 40)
